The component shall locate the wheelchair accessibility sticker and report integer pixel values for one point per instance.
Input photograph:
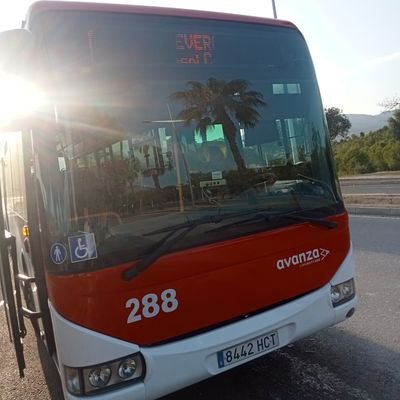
(58, 253)
(82, 247)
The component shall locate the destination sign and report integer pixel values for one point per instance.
(194, 48)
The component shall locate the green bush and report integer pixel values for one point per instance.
(376, 151)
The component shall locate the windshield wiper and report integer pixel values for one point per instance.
(320, 183)
(276, 217)
(316, 221)
(175, 234)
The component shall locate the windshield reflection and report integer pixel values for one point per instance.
(143, 143)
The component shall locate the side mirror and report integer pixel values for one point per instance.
(16, 48)
(18, 98)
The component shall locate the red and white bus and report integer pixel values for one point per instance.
(177, 194)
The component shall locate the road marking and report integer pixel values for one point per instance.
(374, 216)
(372, 194)
(1, 303)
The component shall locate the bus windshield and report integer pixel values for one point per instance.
(162, 120)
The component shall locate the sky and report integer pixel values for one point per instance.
(355, 44)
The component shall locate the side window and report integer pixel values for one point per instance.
(13, 186)
(211, 149)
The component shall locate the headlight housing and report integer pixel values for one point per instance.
(86, 380)
(342, 292)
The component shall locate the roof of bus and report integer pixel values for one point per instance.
(43, 6)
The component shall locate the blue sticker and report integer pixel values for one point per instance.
(82, 247)
(58, 253)
(220, 357)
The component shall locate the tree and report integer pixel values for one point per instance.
(377, 151)
(219, 102)
(394, 124)
(391, 103)
(338, 123)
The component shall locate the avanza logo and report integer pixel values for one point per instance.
(302, 259)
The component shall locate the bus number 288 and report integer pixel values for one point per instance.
(151, 305)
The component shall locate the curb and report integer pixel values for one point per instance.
(380, 181)
(379, 211)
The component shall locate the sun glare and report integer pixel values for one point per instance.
(18, 98)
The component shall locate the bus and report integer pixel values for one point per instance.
(171, 210)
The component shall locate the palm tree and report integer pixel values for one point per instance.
(159, 168)
(221, 102)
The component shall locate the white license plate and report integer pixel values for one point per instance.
(258, 345)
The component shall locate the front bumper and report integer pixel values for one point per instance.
(178, 364)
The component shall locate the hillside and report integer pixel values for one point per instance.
(368, 123)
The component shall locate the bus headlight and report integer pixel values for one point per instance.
(82, 381)
(127, 368)
(342, 292)
(99, 377)
(72, 380)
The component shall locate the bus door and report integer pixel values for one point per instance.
(11, 294)
(17, 60)
(23, 286)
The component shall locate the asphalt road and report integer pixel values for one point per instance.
(375, 186)
(358, 359)
(371, 189)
